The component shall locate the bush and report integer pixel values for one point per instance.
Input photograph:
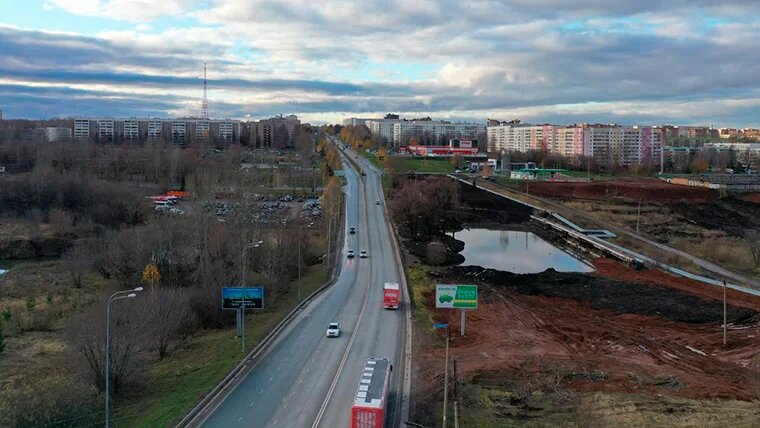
(58, 401)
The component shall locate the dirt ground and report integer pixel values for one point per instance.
(644, 189)
(618, 331)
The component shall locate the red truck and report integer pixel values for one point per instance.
(371, 399)
(390, 295)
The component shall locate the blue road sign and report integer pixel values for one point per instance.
(439, 325)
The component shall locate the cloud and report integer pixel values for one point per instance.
(624, 61)
(122, 10)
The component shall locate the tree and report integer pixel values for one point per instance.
(752, 236)
(436, 253)
(152, 276)
(171, 319)
(86, 334)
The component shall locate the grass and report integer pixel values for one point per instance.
(404, 165)
(180, 381)
(419, 281)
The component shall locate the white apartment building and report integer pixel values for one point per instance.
(105, 130)
(355, 121)
(82, 129)
(382, 127)
(155, 128)
(179, 132)
(226, 131)
(405, 130)
(53, 134)
(131, 130)
(202, 131)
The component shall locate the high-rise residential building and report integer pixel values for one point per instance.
(382, 128)
(179, 133)
(202, 131)
(131, 130)
(155, 129)
(404, 131)
(57, 134)
(607, 144)
(106, 130)
(355, 121)
(81, 129)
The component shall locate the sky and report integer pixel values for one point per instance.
(684, 62)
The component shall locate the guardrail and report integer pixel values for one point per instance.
(262, 346)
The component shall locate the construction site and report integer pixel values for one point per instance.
(627, 344)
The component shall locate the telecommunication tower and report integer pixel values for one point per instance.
(204, 104)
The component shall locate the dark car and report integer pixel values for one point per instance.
(352, 230)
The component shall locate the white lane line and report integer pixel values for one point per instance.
(240, 419)
(251, 405)
(334, 383)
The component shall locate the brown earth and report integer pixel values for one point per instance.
(526, 332)
(644, 189)
(751, 197)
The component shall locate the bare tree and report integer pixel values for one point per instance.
(752, 236)
(86, 334)
(170, 319)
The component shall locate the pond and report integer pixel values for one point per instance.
(515, 251)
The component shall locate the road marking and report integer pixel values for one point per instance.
(251, 405)
(334, 383)
(240, 419)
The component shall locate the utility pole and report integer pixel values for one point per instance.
(724, 313)
(456, 395)
(446, 377)
(638, 216)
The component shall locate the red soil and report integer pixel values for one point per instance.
(644, 189)
(521, 334)
(752, 197)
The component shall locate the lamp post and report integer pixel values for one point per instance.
(126, 294)
(299, 258)
(242, 284)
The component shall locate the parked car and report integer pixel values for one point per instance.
(350, 254)
(333, 330)
(363, 254)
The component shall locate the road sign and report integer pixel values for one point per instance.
(233, 297)
(439, 325)
(455, 296)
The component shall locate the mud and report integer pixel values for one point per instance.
(605, 294)
(644, 189)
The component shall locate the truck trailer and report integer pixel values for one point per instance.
(371, 399)
(390, 295)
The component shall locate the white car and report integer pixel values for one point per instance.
(363, 254)
(333, 330)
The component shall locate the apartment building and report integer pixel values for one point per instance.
(179, 131)
(131, 130)
(521, 138)
(355, 121)
(54, 134)
(607, 144)
(403, 131)
(382, 127)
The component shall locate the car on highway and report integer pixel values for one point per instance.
(363, 254)
(364, 174)
(333, 330)
(352, 230)
(377, 202)
(350, 254)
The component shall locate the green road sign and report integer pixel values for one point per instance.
(455, 296)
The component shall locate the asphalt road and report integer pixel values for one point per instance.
(307, 379)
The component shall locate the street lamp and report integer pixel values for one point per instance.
(242, 284)
(299, 258)
(125, 294)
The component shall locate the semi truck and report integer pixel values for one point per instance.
(371, 399)
(390, 295)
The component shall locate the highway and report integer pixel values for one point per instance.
(307, 379)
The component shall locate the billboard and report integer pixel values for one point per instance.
(455, 296)
(233, 297)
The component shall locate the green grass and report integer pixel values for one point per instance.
(404, 165)
(421, 285)
(180, 381)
